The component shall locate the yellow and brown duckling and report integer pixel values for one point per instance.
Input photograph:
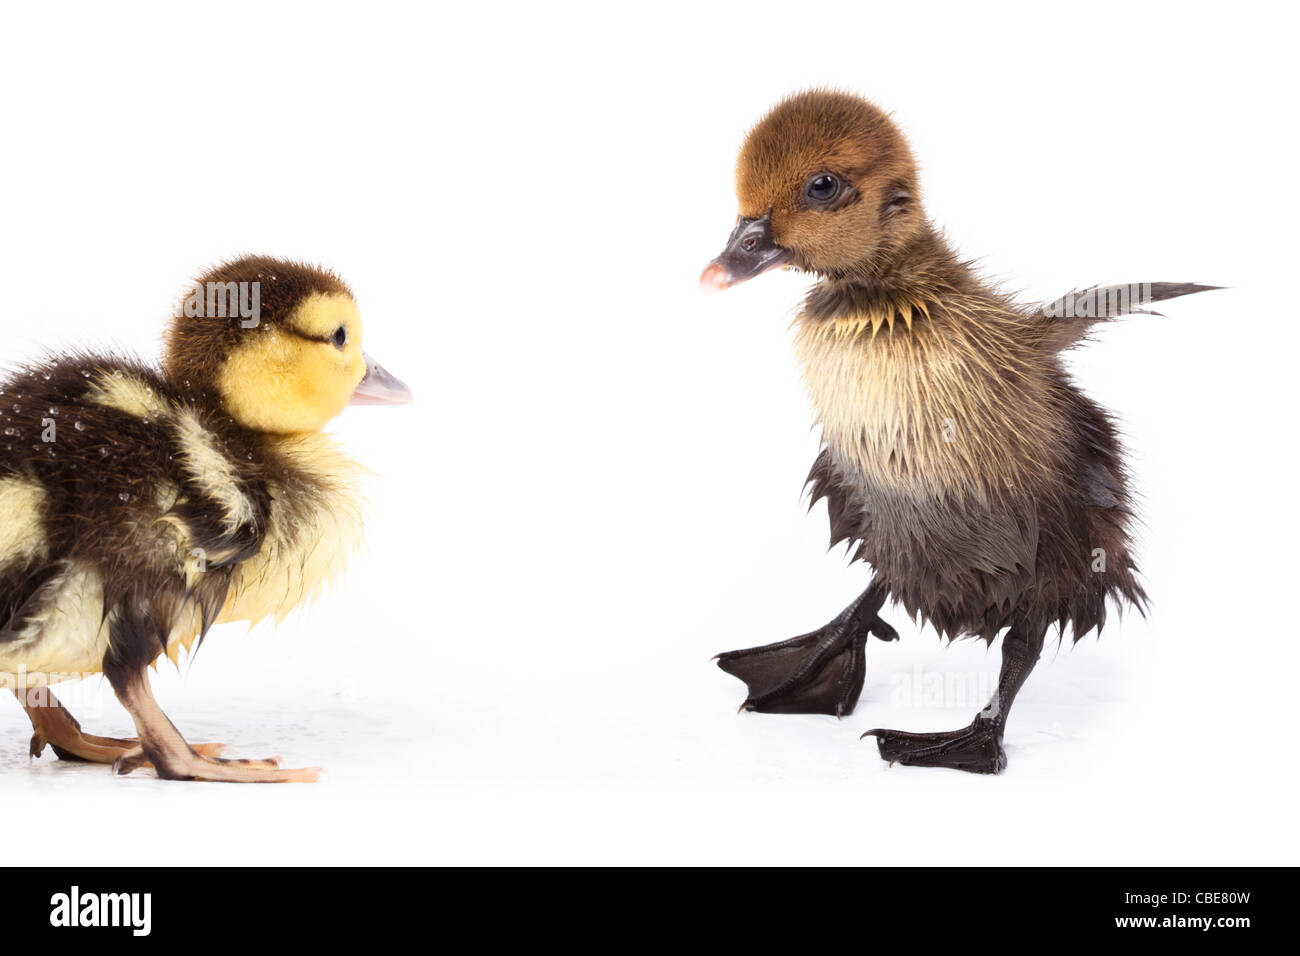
(139, 506)
(987, 492)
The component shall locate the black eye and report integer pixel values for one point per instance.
(822, 188)
(340, 338)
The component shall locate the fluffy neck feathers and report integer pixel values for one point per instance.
(923, 379)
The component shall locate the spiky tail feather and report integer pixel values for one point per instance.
(1067, 320)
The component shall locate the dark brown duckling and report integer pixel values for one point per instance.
(987, 492)
(140, 506)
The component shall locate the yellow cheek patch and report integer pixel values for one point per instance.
(278, 382)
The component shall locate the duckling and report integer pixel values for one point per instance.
(958, 460)
(141, 505)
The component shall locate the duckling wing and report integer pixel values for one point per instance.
(20, 596)
(119, 498)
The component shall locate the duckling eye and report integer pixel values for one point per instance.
(340, 337)
(822, 188)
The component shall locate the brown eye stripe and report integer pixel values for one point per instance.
(325, 340)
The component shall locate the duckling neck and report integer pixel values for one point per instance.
(904, 283)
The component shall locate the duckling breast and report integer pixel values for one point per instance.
(942, 441)
(315, 524)
(931, 405)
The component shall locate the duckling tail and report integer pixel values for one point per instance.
(1066, 320)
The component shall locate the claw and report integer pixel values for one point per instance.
(131, 760)
(882, 630)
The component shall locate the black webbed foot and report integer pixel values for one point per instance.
(812, 674)
(976, 749)
(817, 673)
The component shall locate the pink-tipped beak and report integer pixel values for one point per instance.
(750, 252)
(380, 387)
(714, 278)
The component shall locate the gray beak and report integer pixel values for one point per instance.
(380, 387)
(750, 251)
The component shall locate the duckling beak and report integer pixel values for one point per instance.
(750, 251)
(380, 387)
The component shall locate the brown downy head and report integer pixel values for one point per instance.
(826, 183)
(277, 343)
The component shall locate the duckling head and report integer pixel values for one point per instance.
(278, 344)
(826, 183)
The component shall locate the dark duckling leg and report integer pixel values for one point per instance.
(54, 726)
(978, 747)
(163, 747)
(817, 673)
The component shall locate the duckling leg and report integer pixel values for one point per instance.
(162, 745)
(54, 726)
(976, 748)
(817, 673)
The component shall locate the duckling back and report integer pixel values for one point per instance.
(134, 508)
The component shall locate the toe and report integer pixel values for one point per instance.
(210, 750)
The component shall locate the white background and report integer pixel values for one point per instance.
(599, 487)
